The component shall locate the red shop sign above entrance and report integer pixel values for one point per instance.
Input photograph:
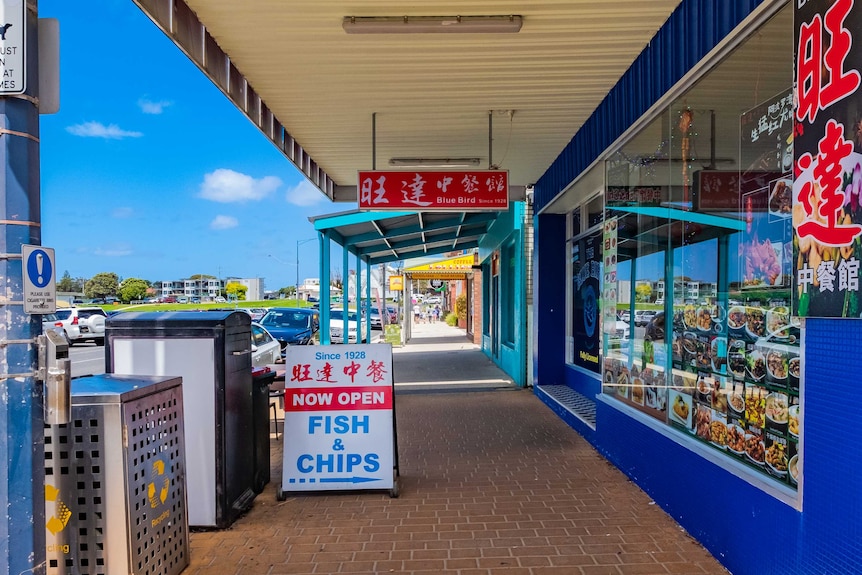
(434, 191)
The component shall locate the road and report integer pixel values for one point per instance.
(87, 359)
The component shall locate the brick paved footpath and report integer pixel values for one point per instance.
(492, 482)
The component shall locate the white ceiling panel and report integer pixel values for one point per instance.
(432, 93)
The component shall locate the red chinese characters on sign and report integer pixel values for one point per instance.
(821, 214)
(430, 191)
(373, 370)
(811, 94)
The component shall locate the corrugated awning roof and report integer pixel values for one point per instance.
(380, 237)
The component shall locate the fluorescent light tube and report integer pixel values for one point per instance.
(432, 24)
(434, 162)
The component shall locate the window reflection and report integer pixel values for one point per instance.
(698, 251)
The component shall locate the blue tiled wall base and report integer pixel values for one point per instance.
(748, 530)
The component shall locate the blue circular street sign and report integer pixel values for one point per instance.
(39, 269)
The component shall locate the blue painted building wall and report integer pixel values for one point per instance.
(749, 530)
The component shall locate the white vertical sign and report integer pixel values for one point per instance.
(40, 286)
(338, 418)
(13, 42)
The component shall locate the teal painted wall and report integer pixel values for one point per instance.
(508, 231)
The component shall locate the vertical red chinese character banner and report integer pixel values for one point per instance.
(827, 203)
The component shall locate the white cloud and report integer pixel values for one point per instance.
(117, 251)
(122, 213)
(224, 223)
(99, 130)
(304, 194)
(227, 186)
(150, 107)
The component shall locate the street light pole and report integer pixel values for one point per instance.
(299, 243)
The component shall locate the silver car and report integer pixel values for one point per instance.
(265, 349)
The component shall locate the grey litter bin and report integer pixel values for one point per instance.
(211, 351)
(115, 493)
(262, 379)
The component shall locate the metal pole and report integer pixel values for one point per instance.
(22, 477)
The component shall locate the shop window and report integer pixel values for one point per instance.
(507, 281)
(697, 256)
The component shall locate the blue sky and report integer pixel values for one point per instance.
(149, 171)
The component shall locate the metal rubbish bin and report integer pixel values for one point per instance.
(115, 493)
(211, 351)
(262, 378)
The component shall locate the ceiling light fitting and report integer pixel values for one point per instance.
(434, 162)
(431, 24)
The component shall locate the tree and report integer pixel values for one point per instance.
(236, 289)
(202, 277)
(66, 284)
(643, 292)
(133, 289)
(335, 277)
(102, 285)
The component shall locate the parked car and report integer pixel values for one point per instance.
(291, 326)
(376, 319)
(49, 321)
(643, 316)
(182, 299)
(265, 349)
(393, 313)
(336, 326)
(220, 299)
(257, 313)
(81, 324)
(623, 331)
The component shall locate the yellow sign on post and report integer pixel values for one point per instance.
(396, 283)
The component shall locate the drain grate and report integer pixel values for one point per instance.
(575, 403)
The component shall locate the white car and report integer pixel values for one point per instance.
(336, 326)
(265, 349)
(376, 319)
(80, 324)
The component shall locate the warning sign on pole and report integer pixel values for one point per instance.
(40, 289)
(339, 423)
(13, 43)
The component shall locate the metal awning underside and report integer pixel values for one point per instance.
(381, 237)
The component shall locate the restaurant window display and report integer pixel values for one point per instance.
(698, 254)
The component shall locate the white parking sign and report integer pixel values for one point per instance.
(40, 286)
(338, 418)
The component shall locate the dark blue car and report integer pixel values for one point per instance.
(292, 326)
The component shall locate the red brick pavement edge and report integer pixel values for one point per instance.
(492, 483)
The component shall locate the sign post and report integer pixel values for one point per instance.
(40, 288)
(339, 413)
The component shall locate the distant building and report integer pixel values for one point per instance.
(255, 287)
(207, 288)
(309, 290)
